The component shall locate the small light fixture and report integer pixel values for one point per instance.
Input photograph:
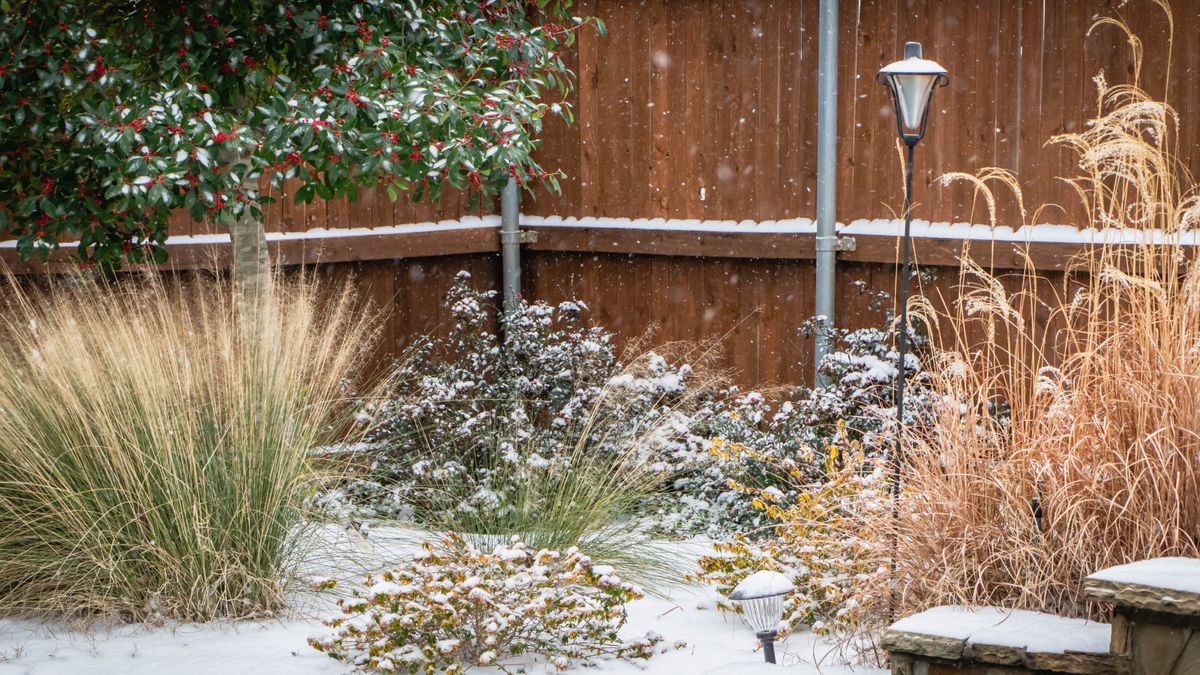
(760, 596)
(911, 81)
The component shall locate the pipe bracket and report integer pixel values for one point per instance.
(518, 237)
(836, 244)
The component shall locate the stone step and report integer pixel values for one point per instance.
(1162, 585)
(1156, 613)
(1024, 640)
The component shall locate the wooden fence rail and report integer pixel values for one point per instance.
(750, 290)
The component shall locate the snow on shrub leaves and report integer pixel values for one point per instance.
(756, 443)
(818, 537)
(454, 607)
(473, 421)
(474, 417)
(115, 115)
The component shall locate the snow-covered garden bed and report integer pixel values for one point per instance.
(715, 641)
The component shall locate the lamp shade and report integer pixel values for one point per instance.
(760, 596)
(911, 81)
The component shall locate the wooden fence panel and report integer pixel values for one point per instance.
(706, 109)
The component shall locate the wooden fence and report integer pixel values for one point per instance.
(706, 110)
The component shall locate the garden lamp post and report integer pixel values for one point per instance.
(760, 596)
(911, 82)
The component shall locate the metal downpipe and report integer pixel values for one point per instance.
(510, 245)
(827, 243)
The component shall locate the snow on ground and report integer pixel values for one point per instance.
(716, 643)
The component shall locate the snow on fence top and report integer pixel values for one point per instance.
(1044, 233)
(464, 223)
(785, 226)
(884, 227)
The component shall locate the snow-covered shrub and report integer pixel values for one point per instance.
(473, 421)
(454, 607)
(473, 417)
(758, 443)
(816, 535)
(860, 372)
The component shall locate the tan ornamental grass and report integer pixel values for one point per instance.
(1066, 437)
(153, 445)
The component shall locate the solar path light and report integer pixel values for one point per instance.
(760, 597)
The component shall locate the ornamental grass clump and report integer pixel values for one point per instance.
(153, 443)
(454, 607)
(1066, 430)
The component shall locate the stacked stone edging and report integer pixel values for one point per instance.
(1155, 631)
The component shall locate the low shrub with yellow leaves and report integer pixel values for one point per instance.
(817, 535)
(454, 607)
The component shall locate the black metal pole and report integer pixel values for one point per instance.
(902, 352)
(767, 638)
(902, 337)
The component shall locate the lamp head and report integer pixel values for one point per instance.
(911, 82)
(761, 596)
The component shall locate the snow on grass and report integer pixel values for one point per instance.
(716, 642)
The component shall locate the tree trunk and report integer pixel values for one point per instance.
(252, 276)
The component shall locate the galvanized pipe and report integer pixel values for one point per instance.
(826, 178)
(510, 244)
